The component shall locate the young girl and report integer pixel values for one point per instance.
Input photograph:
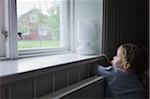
(123, 77)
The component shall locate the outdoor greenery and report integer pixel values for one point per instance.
(54, 20)
(23, 28)
(38, 44)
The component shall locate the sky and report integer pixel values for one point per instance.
(24, 6)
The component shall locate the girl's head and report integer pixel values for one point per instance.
(130, 58)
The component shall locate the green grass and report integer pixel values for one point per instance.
(37, 44)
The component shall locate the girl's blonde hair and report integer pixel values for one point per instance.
(135, 56)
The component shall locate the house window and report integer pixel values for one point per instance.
(43, 26)
(43, 31)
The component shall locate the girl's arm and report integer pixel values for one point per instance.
(104, 71)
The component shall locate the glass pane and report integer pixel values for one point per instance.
(38, 23)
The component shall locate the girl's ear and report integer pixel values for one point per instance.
(126, 66)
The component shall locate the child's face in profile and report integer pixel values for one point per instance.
(117, 62)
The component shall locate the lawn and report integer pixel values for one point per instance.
(38, 44)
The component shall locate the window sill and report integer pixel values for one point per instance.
(11, 67)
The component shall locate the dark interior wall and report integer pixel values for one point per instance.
(125, 21)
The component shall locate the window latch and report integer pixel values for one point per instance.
(20, 35)
(5, 34)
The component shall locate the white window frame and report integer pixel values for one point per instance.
(2, 38)
(10, 22)
(12, 51)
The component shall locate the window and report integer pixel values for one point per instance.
(36, 27)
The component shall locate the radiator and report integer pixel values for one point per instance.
(91, 88)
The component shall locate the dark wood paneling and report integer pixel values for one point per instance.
(73, 75)
(3, 92)
(60, 80)
(21, 90)
(125, 21)
(83, 72)
(43, 85)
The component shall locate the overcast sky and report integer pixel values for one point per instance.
(24, 6)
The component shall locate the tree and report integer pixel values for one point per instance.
(54, 21)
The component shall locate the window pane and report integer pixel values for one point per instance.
(39, 23)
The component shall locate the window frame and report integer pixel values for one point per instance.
(2, 38)
(12, 51)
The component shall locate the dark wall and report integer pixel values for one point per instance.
(125, 21)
